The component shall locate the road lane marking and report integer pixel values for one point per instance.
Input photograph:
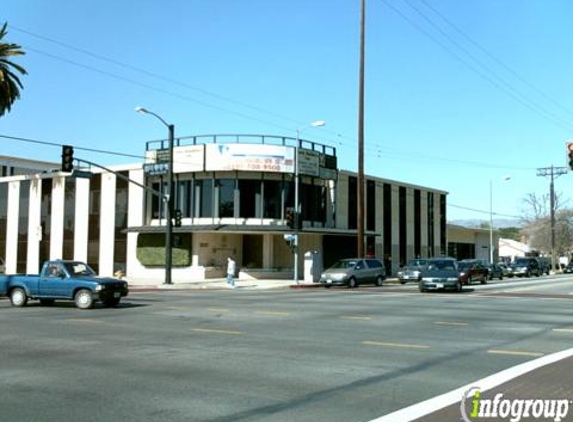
(272, 313)
(426, 407)
(357, 318)
(214, 331)
(218, 310)
(91, 320)
(515, 353)
(454, 323)
(178, 308)
(563, 330)
(398, 345)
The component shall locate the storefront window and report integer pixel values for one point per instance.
(272, 199)
(206, 197)
(250, 198)
(226, 197)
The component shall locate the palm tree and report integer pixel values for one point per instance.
(10, 84)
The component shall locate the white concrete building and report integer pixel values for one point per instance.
(233, 198)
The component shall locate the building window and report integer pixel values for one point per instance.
(205, 196)
(371, 205)
(403, 224)
(431, 224)
(24, 207)
(250, 198)
(226, 197)
(121, 212)
(387, 229)
(352, 202)
(417, 224)
(69, 217)
(272, 199)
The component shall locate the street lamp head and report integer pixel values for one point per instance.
(141, 110)
(506, 178)
(318, 123)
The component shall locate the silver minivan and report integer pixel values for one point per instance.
(353, 272)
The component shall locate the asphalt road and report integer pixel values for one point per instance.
(276, 355)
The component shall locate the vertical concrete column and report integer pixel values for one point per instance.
(57, 218)
(12, 227)
(410, 222)
(81, 222)
(136, 203)
(107, 224)
(395, 228)
(437, 219)
(379, 209)
(424, 223)
(268, 250)
(34, 227)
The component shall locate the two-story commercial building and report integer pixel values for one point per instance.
(233, 193)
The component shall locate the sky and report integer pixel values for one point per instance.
(460, 95)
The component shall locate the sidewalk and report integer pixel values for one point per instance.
(221, 284)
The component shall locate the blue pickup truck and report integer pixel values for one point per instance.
(63, 280)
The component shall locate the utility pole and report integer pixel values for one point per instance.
(553, 173)
(360, 225)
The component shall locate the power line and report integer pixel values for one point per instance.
(526, 103)
(482, 211)
(495, 59)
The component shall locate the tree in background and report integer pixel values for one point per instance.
(513, 233)
(10, 84)
(537, 224)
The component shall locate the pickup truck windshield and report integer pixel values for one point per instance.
(79, 269)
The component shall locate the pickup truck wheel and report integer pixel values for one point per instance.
(111, 303)
(46, 302)
(18, 297)
(84, 299)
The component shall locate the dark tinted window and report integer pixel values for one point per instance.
(374, 263)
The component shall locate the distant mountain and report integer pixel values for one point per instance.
(497, 222)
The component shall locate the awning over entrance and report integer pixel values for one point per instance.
(241, 228)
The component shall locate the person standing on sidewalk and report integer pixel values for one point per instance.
(231, 268)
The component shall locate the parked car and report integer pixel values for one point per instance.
(353, 272)
(472, 270)
(494, 271)
(526, 267)
(412, 271)
(440, 274)
(569, 268)
(544, 265)
(505, 269)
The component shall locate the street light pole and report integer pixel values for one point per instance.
(167, 197)
(297, 208)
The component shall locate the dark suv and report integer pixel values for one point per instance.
(526, 267)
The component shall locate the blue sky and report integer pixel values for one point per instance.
(458, 93)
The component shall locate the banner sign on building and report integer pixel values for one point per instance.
(308, 162)
(249, 157)
(185, 158)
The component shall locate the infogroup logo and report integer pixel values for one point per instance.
(512, 410)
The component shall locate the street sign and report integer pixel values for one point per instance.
(155, 169)
(80, 174)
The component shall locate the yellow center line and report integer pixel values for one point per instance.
(272, 313)
(515, 352)
(84, 320)
(178, 308)
(459, 324)
(563, 330)
(208, 330)
(357, 318)
(405, 346)
(218, 310)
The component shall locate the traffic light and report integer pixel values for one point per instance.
(177, 216)
(570, 155)
(67, 158)
(289, 217)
